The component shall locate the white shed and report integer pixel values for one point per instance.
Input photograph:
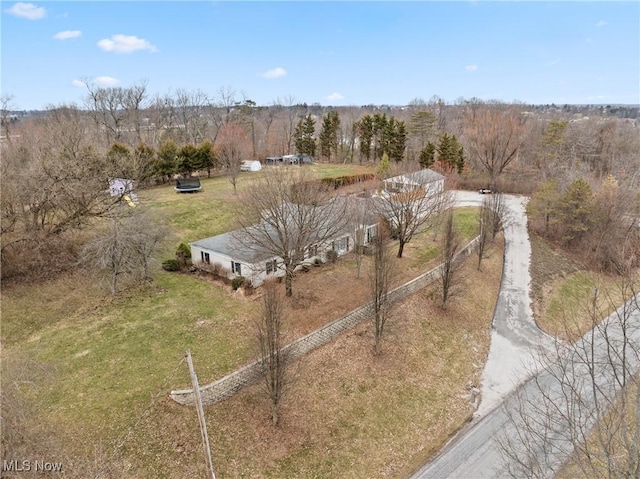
(254, 165)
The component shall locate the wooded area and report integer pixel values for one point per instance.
(56, 163)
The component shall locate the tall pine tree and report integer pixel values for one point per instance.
(303, 136)
(329, 135)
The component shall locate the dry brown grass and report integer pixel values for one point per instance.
(348, 414)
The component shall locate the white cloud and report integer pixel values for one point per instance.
(471, 68)
(102, 81)
(106, 81)
(125, 44)
(275, 73)
(335, 97)
(601, 23)
(552, 63)
(67, 34)
(27, 10)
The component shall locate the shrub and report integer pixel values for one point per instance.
(171, 265)
(216, 269)
(237, 282)
(248, 288)
(183, 254)
(332, 256)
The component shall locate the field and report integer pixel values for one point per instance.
(111, 362)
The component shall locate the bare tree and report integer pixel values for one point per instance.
(224, 105)
(494, 134)
(449, 267)
(106, 108)
(380, 279)
(485, 229)
(582, 411)
(273, 358)
(191, 109)
(407, 213)
(361, 214)
(54, 181)
(232, 146)
(288, 214)
(6, 105)
(134, 103)
(146, 232)
(124, 247)
(498, 210)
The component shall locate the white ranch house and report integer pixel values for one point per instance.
(230, 252)
(431, 181)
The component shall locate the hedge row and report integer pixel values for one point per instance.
(340, 181)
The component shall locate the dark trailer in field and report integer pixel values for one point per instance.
(188, 185)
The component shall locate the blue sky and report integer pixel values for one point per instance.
(332, 53)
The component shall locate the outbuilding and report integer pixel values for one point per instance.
(254, 165)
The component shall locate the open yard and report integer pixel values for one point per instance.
(563, 292)
(110, 363)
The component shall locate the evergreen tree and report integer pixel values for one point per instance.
(187, 160)
(576, 210)
(553, 141)
(303, 136)
(383, 167)
(365, 134)
(428, 155)
(167, 158)
(205, 157)
(144, 157)
(460, 159)
(329, 134)
(450, 153)
(544, 204)
(422, 126)
(119, 161)
(379, 129)
(397, 140)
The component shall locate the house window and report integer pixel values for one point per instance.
(235, 268)
(204, 257)
(341, 245)
(372, 231)
(272, 266)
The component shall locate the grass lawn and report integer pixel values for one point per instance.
(348, 414)
(563, 291)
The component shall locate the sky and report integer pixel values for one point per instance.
(333, 53)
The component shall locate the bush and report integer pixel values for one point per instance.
(248, 288)
(171, 265)
(183, 255)
(216, 269)
(332, 256)
(237, 282)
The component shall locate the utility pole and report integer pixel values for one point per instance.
(201, 419)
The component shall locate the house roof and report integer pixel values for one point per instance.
(421, 177)
(236, 244)
(231, 244)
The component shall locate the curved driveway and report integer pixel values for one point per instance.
(515, 338)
